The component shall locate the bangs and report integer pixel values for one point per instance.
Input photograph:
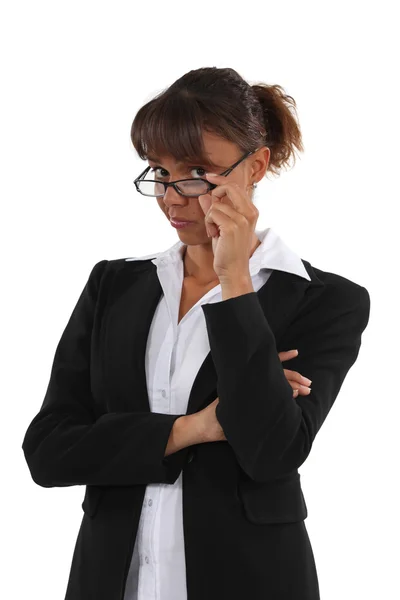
(173, 124)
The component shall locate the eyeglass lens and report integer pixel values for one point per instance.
(189, 187)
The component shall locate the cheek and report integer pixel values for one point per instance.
(163, 207)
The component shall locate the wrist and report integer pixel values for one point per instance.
(236, 287)
(196, 427)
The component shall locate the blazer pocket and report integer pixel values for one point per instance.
(92, 499)
(277, 501)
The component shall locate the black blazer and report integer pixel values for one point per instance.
(243, 505)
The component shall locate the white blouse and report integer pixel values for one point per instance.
(174, 355)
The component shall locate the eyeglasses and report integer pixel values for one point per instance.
(185, 187)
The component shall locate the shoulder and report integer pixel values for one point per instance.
(333, 293)
(117, 264)
(106, 272)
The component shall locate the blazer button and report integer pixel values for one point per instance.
(190, 456)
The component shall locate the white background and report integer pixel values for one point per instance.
(73, 75)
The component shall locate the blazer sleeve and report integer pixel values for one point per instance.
(271, 433)
(65, 444)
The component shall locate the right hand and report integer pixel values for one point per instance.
(207, 422)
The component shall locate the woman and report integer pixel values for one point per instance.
(167, 396)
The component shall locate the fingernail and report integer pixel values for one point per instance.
(308, 381)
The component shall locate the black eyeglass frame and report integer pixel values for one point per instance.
(173, 183)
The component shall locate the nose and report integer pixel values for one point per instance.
(171, 196)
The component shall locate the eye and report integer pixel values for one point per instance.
(154, 169)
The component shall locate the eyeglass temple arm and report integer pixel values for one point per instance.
(142, 174)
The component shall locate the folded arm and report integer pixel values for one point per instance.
(271, 432)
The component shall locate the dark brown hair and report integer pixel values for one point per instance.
(222, 102)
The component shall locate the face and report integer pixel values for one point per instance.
(222, 153)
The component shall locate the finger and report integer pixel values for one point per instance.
(295, 376)
(224, 216)
(205, 201)
(287, 354)
(228, 196)
(240, 200)
(229, 211)
(299, 389)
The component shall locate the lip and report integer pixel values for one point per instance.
(178, 220)
(179, 224)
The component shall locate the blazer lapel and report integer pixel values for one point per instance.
(133, 300)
